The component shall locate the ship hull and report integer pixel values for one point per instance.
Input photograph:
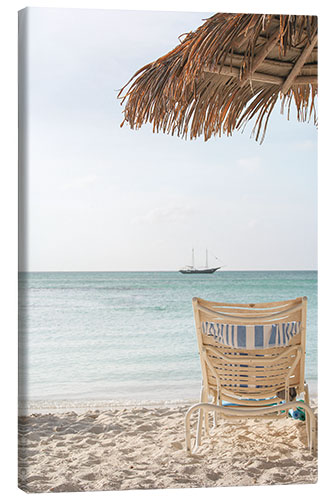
(199, 271)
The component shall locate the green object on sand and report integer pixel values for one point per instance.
(299, 413)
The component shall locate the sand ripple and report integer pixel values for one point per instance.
(144, 448)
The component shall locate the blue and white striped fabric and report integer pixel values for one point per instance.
(252, 336)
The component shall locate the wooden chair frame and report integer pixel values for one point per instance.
(266, 372)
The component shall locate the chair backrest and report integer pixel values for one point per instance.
(251, 351)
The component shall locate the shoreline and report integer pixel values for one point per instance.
(58, 407)
(82, 406)
(143, 448)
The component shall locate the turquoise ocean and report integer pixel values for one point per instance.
(97, 339)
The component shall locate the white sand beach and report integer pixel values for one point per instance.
(141, 448)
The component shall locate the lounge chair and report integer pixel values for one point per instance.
(252, 361)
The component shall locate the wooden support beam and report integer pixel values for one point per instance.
(259, 58)
(276, 65)
(298, 65)
(258, 77)
(306, 80)
(233, 72)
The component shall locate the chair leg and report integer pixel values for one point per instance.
(201, 407)
(188, 427)
(205, 412)
(200, 419)
(311, 436)
(215, 416)
(310, 422)
(199, 428)
(188, 432)
(307, 420)
(214, 420)
(206, 422)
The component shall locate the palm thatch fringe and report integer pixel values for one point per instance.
(231, 69)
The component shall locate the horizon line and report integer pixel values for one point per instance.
(164, 271)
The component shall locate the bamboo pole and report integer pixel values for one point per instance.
(259, 58)
(234, 72)
(298, 65)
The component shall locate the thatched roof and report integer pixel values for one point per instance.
(231, 69)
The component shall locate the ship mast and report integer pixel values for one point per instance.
(206, 258)
(193, 257)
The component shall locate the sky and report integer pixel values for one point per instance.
(104, 198)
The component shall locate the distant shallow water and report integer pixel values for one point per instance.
(129, 337)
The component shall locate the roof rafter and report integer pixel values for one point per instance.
(259, 58)
(234, 72)
(298, 65)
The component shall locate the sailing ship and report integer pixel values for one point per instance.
(199, 270)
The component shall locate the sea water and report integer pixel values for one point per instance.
(106, 338)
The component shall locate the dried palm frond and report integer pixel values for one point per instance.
(231, 69)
